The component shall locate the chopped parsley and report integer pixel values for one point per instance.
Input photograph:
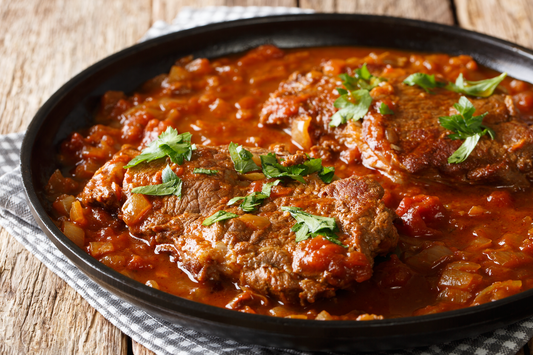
(385, 110)
(171, 185)
(481, 88)
(242, 159)
(425, 81)
(273, 169)
(465, 126)
(310, 226)
(204, 171)
(218, 217)
(352, 105)
(169, 143)
(355, 100)
(250, 202)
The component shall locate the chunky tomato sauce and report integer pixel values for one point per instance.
(460, 246)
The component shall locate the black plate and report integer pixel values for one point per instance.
(72, 107)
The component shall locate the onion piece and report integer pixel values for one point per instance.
(135, 208)
(300, 132)
(74, 233)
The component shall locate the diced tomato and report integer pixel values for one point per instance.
(422, 216)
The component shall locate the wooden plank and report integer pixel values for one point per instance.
(138, 349)
(427, 10)
(41, 314)
(510, 20)
(42, 45)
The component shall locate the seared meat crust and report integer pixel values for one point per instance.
(257, 251)
(411, 142)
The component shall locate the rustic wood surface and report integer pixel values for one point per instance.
(43, 43)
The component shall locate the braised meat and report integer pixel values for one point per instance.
(105, 187)
(258, 250)
(411, 142)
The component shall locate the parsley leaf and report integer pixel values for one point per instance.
(171, 185)
(465, 126)
(204, 171)
(219, 216)
(385, 110)
(425, 81)
(354, 102)
(326, 174)
(169, 143)
(361, 80)
(242, 159)
(273, 169)
(310, 226)
(250, 202)
(481, 88)
(350, 110)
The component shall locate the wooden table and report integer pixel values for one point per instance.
(43, 43)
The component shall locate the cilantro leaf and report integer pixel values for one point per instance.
(250, 202)
(219, 216)
(171, 185)
(350, 110)
(481, 88)
(465, 126)
(425, 81)
(310, 226)
(204, 171)
(169, 143)
(242, 159)
(385, 110)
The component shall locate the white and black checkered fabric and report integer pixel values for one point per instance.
(156, 334)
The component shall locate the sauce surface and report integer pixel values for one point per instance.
(459, 246)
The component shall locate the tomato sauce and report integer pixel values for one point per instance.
(459, 245)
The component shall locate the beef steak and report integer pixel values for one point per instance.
(257, 250)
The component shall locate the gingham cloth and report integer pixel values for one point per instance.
(156, 334)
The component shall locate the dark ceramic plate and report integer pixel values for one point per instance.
(72, 107)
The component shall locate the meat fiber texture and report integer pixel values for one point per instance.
(257, 250)
(410, 143)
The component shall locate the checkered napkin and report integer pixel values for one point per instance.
(156, 334)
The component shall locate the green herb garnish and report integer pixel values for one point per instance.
(242, 159)
(385, 110)
(310, 226)
(273, 169)
(171, 185)
(219, 216)
(355, 100)
(425, 81)
(465, 126)
(250, 202)
(169, 143)
(361, 80)
(481, 88)
(348, 110)
(326, 174)
(204, 171)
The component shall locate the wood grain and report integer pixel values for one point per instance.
(428, 10)
(41, 314)
(510, 20)
(42, 45)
